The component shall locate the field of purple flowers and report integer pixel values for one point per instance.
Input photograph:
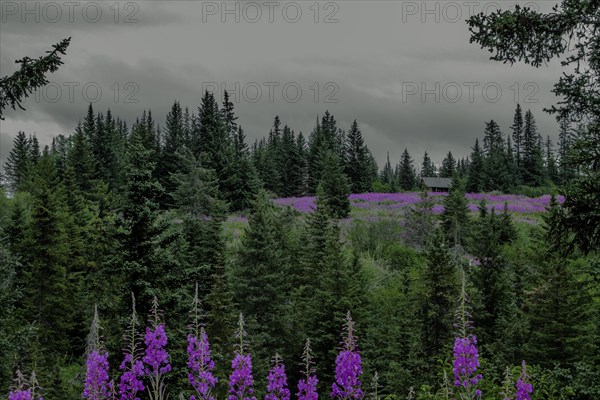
(394, 205)
(399, 201)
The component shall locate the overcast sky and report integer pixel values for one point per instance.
(405, 70)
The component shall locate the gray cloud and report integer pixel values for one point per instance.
(372, 56)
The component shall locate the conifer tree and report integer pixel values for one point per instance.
(495, 173)
(81, 161)
(259, 279)
(357, 160)
(47, 259)
(427, 167)
(420, 220)
(532, 158)
(455, 218)
(335, 186)
(517, 136)
(551, 168)
(19, 164)
(140, 211)
(474, 176)
(448, 166)
(406, 172)
(175, 140)
(566, 170)
(441, 291)
(387, 176)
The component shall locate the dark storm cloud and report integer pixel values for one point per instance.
(373, 56)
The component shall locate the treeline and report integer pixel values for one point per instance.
(288, 164)
(498, 162)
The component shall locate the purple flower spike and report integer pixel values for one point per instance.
(277, 387)
(307, 388)
(131, 383)
(348, 367)
(20, 395)
(201, 366)
(241, 381)
(97, 384)
(466, 362)
(524, 389)
(156, 358)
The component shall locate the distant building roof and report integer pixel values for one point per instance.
(437, 182)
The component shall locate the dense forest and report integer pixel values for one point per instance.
(140, 261)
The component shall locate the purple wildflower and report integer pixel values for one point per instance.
(241, 381)
(156, 359)
(307, 387)
(24, 389)
(348, 367)
(20, 395)
(277, 387)
(97, 385)
(524, 389)
(466, 362)
(201, 365)
(130, 383)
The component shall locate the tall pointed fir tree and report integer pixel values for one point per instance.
(532, 158)
(441, 290)
(334, 185)
(52, 277)
(455, 217)
(357, 168)
(474, 182)
(420, 220)
(323, 138)
(139, 212)
(174, 141)
(387, 176)
(260, 280)
(327, 287)
(565, 167)
(517, 136)
(551, 168)
(427, 167)
(406, 172)
(19, 164)
(495, 173)
(448, 166)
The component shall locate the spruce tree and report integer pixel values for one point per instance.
(475, 174)
(448, 166)
(19, 164)
(441, 291)
(81, 161)
(427, 167)
(387, 176)
(175, 140)
(551, 168)
(406, 172)
(517, 136)
(47, 258)
(532, 164)
(566, 170)
(495, 174)
(455, 218)
(420, 220)
(259, 279)
(139, 211)
(335, 186)
(356, 160)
